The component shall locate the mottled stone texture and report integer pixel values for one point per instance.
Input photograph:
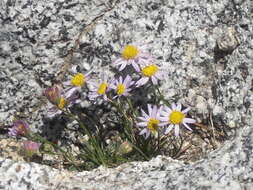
(205, 45)
(229, 168)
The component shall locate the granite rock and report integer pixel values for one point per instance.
(228, 168)
(205, 46)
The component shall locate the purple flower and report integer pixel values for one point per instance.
(150, 121)
(122, 87)
(132, 55)
(174, 118)
(19, 128)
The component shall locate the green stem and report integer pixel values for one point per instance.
(161, 97)
(98, 151)
(94, 142)
(131, 107)
(126, 121)
(139, 150)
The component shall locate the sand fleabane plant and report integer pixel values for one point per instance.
(175, 117)
(132, 55)
(122, 87)
(150, 122)
(151, 72)
(119, 133)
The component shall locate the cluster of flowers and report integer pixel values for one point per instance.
(144, 64)
(159, 120)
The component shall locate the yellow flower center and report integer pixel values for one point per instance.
(153, 125)
(176, 117)
(78, 80)
(120, 89)
(62, 103)
(102, 88)
(150, 70)
(130, 52)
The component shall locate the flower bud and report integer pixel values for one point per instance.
(30, 148)
(125, 148)
(53, 94)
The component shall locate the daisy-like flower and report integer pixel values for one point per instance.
(150, 72)
(174, 117)
(19, 128)
(59, 100)
(132, 55)
(77, 82)
(99, 89)
(150, 121)
(122, 87)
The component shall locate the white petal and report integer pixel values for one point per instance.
(168, 110)
(114, 97)
(164, 119)
(187, 126)
(143, 131)
(154, 112)
(117, 61)
(163, 113)
(53, 114)
(168, 129)
(189, 120)
(127, 80)
(67, 83)
(149, 110)
(131, 83)
(120, 80)
(160, 75)
(186, 110)
(142, 124)
(70, 92)
(136, 67)
(179, 107)
(144, 114)
(176, 130)
(154, 80)
(162, 124)
(145, 55)
(160, 108)
(173, 106)
(142, 81)
(93, 96)
(123, 66)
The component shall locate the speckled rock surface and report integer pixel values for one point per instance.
(229, 168)
(205, 46)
